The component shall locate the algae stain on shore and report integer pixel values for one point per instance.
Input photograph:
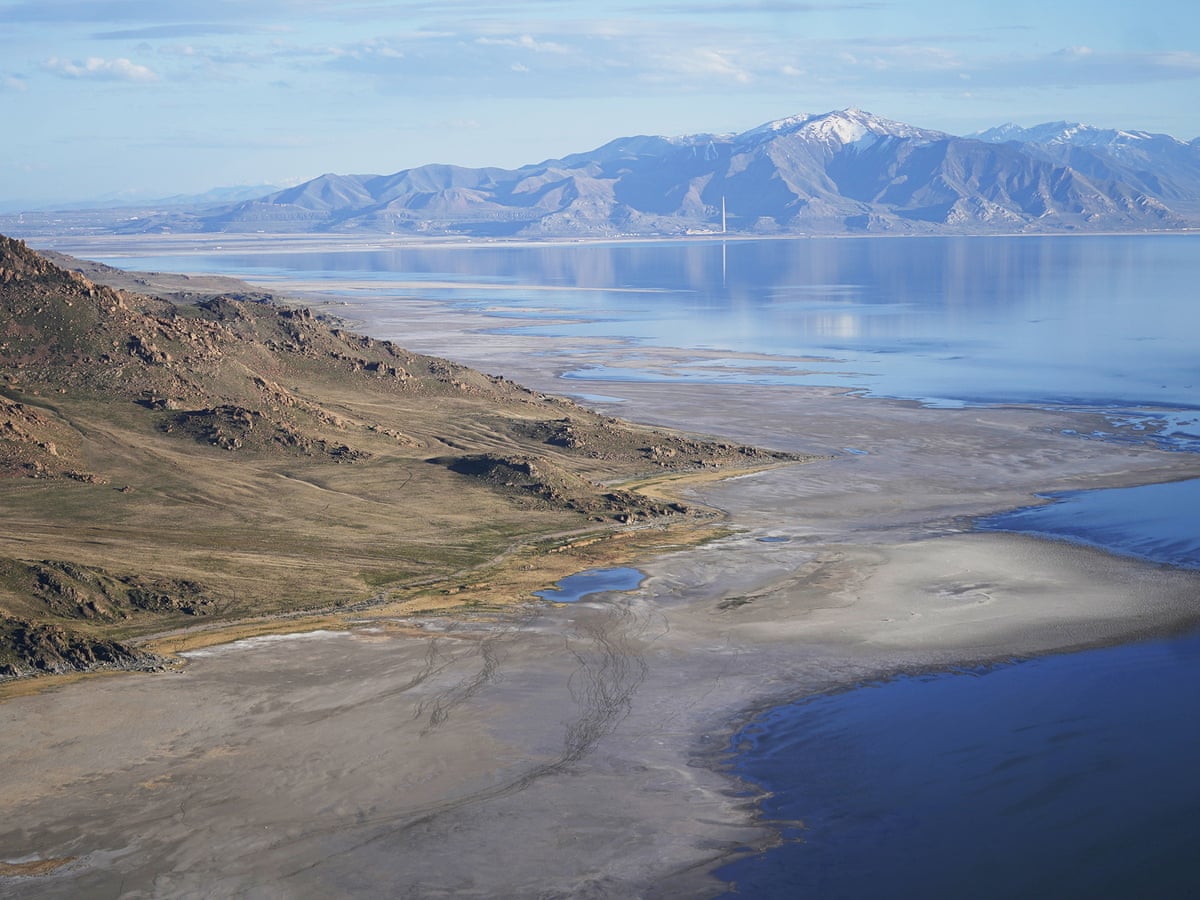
(33, 867)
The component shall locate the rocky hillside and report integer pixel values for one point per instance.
(162, 463)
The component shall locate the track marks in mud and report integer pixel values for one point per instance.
(607, 643)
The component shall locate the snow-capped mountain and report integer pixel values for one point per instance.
(1159, 164)
(1066, 133)
(835, 172)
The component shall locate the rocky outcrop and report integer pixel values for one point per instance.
(28, 648)
(68, 590)
(539, 481)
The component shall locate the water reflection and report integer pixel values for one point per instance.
(1159, 522)
(1096, 320)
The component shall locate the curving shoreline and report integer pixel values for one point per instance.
(565, 741)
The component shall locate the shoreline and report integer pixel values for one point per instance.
(566, 739)
(80, 245)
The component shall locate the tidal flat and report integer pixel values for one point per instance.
(579, 750)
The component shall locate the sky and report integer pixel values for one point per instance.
(139, 99)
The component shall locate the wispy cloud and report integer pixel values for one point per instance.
(372, 49)
(525, 42)
(702, 63)
(101, 69)
(1082, 66)
(773, 7)
(13, 83)
(163, 32)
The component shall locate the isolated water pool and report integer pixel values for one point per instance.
(592, 581)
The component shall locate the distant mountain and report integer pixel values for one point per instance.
(838, 172)
(136, 200)
(217, 195)
(1163, 167)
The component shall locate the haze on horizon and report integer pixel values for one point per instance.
(139, 99)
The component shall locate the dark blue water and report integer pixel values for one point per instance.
(1158, 522)
(1073, 776)
(575, 587)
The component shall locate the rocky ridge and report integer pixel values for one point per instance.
(141, 418)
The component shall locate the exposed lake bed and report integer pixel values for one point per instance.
(564, 742)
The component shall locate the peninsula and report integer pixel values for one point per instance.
(222, 459)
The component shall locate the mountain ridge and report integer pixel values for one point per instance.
(844, 171)
(163, 464)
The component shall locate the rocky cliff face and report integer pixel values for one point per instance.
(29, 648)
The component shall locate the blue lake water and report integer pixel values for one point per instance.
(576, 587)
(1104, 322)
(1071, 776)
(1068, 777)
(1157, 522)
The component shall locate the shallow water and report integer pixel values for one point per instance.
(584, 584)
(1067, 777)
(1157, 522)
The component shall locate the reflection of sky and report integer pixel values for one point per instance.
(1096, 320)
(1160, 522)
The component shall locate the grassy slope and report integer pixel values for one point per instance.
(164, 465)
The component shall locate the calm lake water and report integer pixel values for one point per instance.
(1158, 522)
(1064, 778)
(1072, 776)
(1101, 321)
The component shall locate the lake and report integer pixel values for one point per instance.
(1070, 776)
(1099, 321)
(1067, 777)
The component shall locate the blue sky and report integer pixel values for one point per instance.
(146, 98)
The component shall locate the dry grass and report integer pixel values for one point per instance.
(234, 465)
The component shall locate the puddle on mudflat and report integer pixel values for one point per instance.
(593, 581)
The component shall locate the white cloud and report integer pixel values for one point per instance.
(13, 83)
(712, 63)
(524, 42)
(372, 48)
(96, 67)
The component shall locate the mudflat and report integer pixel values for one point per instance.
(574, 751)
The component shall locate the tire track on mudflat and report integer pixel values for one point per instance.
(607, 643)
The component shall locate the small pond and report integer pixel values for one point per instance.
(592, 581)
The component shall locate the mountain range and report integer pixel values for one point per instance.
(845, 171)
